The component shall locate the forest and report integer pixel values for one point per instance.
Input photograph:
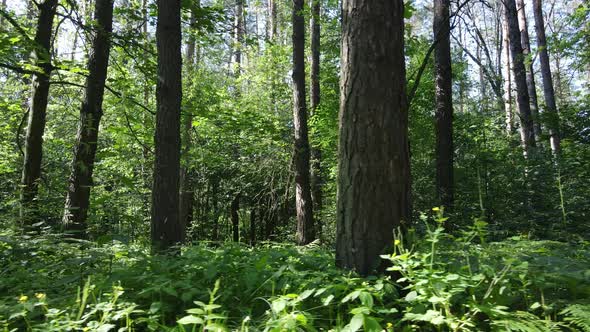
(293, 165)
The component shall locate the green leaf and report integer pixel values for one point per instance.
(190, 319)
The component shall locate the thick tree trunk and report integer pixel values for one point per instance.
(186, 189)
(530, 73)
(527, 134)
(507, 75)
(316, 153)
(374, 169)
(235, 217)
(444, 104)
(31, 173)
(166, 228)
(80, 182)
(548, 90)
(301, 154)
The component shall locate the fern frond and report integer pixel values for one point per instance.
(521, 321)
(578, 315)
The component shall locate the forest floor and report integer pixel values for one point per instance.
(441, 283)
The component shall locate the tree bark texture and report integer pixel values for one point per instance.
(374, 169)
(527, 134)
(444, 104)
(316, 153)
(530, 72)
(166, 228)
(548, 89)
(301, 154)
(33, 155)
(507, 75)
(80, 181)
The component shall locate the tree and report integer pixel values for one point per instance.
(530, 73)
(507, 75)
(33, 154)
(444, 103)
(80, 181)
(186, 191)
(374, 169)
(301, 154)
(166, 228)
(548, 90)
(527, 134)
(316, 153)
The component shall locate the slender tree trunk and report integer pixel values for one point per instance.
(301, 154)
(235, 217)
(166, 229)
(530, 73)
(186, 190)
(527, 133)
(80, 182)
(272, 26)
(253, 222)
(31, 173)
(507, 75)
(316, 153)
(444, 104)
(238, 37)
(374, 168)
(548, 91)
(3, 7)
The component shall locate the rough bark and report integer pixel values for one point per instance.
(316, 153)
(166, 228)
(548, 89)
(374, 169)
(507, 76)
(444, 104)
(80, 181)
(301, 154)
(33, 155)
(527, 134)
(186, 190)
(235, 218)
(530, 73)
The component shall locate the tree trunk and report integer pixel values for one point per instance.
(186, 190)
(316, 153)
(80, 181)
(374, 169)
(527, 134)
(272, 26)
(507, 75)
(253, 226)
(301, 154)
(444, 104)
(2, 7)
(235, 217)
(548, 90)
(31, 173)
(166, 229)
(530, 73)
(238, 37)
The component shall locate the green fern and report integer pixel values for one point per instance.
(521, 321)
(578, 315)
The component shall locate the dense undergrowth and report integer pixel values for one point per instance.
(441, 283)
